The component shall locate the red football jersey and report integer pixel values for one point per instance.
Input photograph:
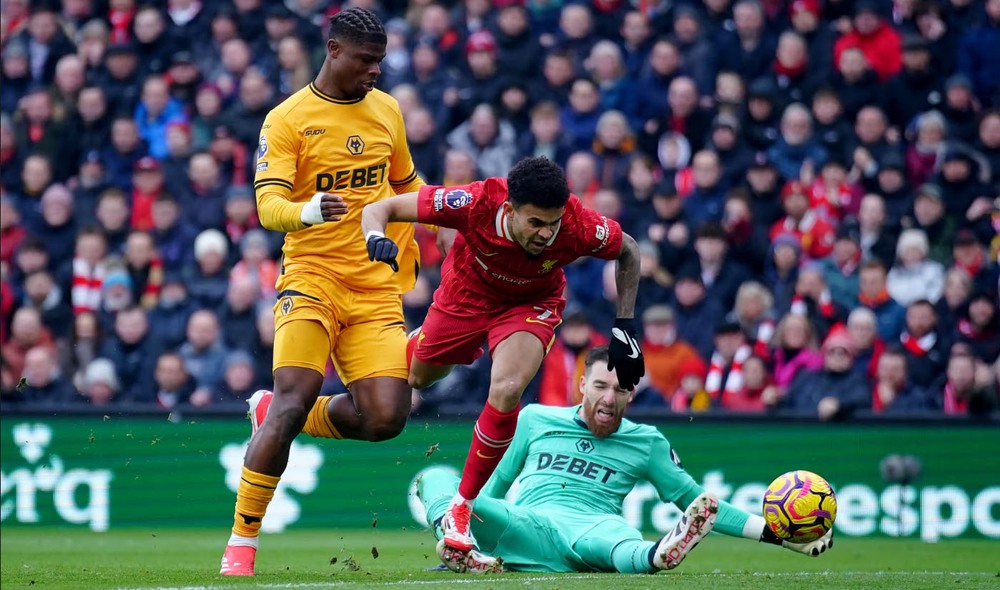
(487, 267)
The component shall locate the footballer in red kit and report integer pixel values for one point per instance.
(502, 285)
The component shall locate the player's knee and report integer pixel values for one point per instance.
(505, 394)
(289, 414)
(385, 426)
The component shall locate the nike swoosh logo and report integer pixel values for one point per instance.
(482, 456)
(488, 254)
(621, 335)
(532, 320)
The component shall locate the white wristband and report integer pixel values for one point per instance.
(311, 213)
(375, 233)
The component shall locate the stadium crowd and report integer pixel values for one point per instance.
(814, 186)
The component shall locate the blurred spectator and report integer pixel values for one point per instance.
(173, 383)
(988, 143)
(81, 348)
(133, 349)
(872, 293)
(749, 48)
(782, 272)
(654, 280)
(895, 392)
(695, 310)
(38, 131)
(156, 111)
(812, 299)
(752, 311)
(929, 217)
(706, 201)
(892, 186)
(664, 352)
(57, 224)
(764, 186)
(44, 383)
(563, 365)
(237, 316)
(691, 394)
(490, 141)
(841, 269)
(484, 80)
(557, 78)
(204, 201)
(46, 43)
(581, 176)
(426, 146)
(241, 212)
(91, 181)
(721, 274)
(980, 328)
(868, 346)
(26, 333)
(173, 237)
(959, 178)
(580, 115)
(238, 381)
(654, 78)
(459, 168)
(42, 293)
(256, 265)
(607, 68)
(915, 89)
(173, 308)
(695, 46)
(815, 234)
(204, 354)
(856, 83)
(877, 40)
(924, 346)
(834, 391)
(725, 372)
(793, 73)
(871, 145)
(122, 157)
(915, 276)
(113, 219)
(877, 241)
(263, 349)
(970, 256)
(207, 115)
(795, 349)
(184, 79)
(797, 151)
(748, 240)
(758, 392)
(99, 386)
(957, 290)
(12, 232)
(15, 75)
(960, 108)
(154, 42)
(256, 97)
(977, 57)
(144, 268)
(923, 156)
(969, 387)
(208, 279)
(613, 146)
(88, 270)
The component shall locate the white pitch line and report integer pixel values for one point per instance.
(555, 578)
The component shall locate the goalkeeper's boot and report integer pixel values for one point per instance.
(238, 561)
(457, 527)
(694, 525)
(468, 562)
(259, 402)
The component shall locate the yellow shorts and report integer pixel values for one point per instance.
(363, 333)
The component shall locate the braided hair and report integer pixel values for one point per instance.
(357, 25)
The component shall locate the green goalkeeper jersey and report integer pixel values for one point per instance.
(563, 467)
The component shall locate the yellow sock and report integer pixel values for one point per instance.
(252, 497)
(318, 422)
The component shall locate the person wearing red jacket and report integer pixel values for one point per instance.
(815, 234)
(875, 37)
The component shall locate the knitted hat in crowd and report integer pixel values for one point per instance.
(839, 338)
(211, 240)
(100, 371)
(692, 367)
(811, 6)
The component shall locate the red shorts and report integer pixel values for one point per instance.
(447, 338)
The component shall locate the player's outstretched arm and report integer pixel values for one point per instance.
(374, 219)
(624, 354)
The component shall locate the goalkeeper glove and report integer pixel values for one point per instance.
(812, 548)
(624, 355)
(382, 249)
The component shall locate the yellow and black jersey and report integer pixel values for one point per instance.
(357, 149)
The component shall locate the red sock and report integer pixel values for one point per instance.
(490, 438)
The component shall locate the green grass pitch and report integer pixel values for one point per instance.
(189, 559)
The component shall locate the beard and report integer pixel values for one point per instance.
(600, 425)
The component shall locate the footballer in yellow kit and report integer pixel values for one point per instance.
(324, 153)
(360, 155)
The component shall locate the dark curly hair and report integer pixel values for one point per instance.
(539, 182)
(357, 25)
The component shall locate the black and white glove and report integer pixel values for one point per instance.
(382, 249)
(624, 355)
(812, 548)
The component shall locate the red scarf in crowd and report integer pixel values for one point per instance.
(762, 344)
(973, 268)
(824, 305)
(121, 26)
(952, 403)
(85, 294)
(790, 71)
(876, 399)
(734, 381)
(918, 346)
(875, 301)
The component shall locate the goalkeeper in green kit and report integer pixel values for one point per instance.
(575, 466)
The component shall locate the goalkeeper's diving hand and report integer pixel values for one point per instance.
(812, 548)
(624, 355)
(323, 207)
(382, 249)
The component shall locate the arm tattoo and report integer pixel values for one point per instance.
(627, 277)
